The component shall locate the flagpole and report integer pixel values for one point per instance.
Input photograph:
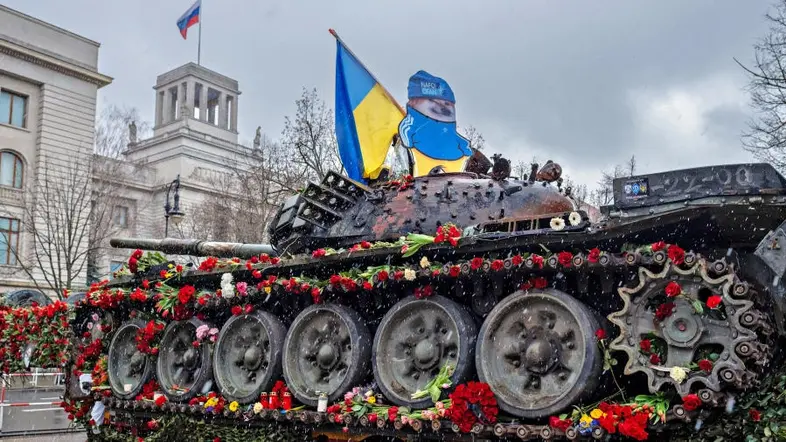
(199, 42)
(335, 34)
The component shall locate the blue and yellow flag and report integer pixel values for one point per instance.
(367, 117)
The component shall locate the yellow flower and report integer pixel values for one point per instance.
(424, 262)
(267, 289)
(585, 420)
(596, 413)
(258, 407)
(171, 266)
(372, 400)
(211, 402)
(233, 406)
(168, 275)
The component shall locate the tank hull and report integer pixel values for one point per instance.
(695, 272)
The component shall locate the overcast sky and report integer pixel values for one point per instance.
(585, 83)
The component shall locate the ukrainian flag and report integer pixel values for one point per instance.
(367, 117)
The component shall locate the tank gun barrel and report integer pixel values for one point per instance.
(195, 247)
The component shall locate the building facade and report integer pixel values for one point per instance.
(49, 81)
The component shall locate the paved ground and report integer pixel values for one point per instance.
(71, 437)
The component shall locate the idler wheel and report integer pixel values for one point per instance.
(538, 353)
(127, 368)
(415, 339)
(182, 369)
(327, 349)
(247, 356)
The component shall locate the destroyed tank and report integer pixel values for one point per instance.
(506, 281)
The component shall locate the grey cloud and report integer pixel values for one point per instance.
(552, 79)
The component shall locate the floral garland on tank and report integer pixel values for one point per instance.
(629, 418)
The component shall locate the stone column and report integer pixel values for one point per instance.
(159, 108)
(167, 108)
(203, 103)
(189, 97)
(222, 110)
(233, 126)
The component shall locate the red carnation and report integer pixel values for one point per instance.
(664, 311)
(497, 265)
(657, 246)
(600, 333)
(517, 260)
(237, 310)
(654, 359)
(537, 260)
(539, 282)
(673, 289)
(676, 254)
(691, 402)
(705, 365)
(185, 294)
(646, 345)
(319, 253)
(392, 413)
(476, 263)
(455, 271)
(714, 301)
(559, 424)
(160, 401)
(565, 258)
(754, 414)
(382, 276)
(594, 255)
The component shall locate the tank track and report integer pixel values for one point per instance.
(485, 284)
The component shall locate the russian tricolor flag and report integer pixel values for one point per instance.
(190, 18)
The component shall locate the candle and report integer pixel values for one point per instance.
(264, 400)
(322, 403)
(273, 400)
(286, 401)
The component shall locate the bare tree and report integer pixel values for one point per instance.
(604, 194)
(112, 130)
(68, 209)
(474, 136)
(310, 135)
(766, 133)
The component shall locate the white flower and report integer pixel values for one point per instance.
(409, 274)
(227, 288)
(424, 262)
(557, 223)
(678, 374)
(574, 218)
(258, 407)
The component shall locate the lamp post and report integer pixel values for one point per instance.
(173, 210)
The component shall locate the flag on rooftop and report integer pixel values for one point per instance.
(189, 18)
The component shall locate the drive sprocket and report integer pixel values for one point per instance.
(688, 330)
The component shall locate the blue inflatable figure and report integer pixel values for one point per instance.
(428, 130)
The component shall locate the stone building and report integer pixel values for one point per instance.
(194, 140)
(49, 81)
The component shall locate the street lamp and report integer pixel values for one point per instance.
(173, 210)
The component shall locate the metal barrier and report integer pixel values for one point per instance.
(30, 403)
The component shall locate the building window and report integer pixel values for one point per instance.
(13, 109)
(10, 170)
(115, 266)
(9, 240)
(121, 217)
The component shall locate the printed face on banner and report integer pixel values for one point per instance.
(429, 128)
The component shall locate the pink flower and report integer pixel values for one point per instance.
(242, 288)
